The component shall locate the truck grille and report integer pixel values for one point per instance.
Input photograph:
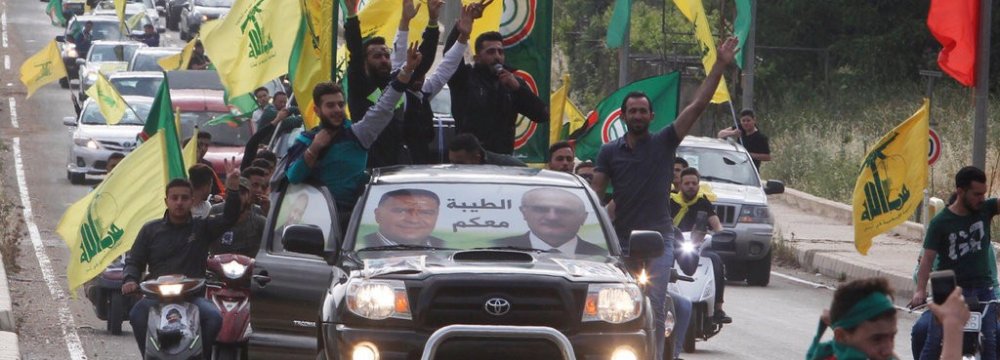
(727, 214)
(449, 300)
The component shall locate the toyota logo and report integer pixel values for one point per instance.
(497, 306)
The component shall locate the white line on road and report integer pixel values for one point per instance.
(13, 112)
(6, 62)
(65, 317)
(3, 25)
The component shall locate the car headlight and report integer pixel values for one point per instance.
(624, 353)
(170, 290)
(378, 299)
(233, 269)
(87, 143)
(755, 215)
(613, 303)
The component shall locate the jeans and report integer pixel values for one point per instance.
(918, 334)
(682, 318)
(211, 322)
(932, 347)
(659, 278)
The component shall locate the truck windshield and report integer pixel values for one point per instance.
(721, 166)
(467, 216)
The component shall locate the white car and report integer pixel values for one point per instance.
(132, 7)
(147, 59)
(137, 83)
(94, 140)
(107, 57)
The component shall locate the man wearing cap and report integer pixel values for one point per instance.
(752, 139)
(244, 238)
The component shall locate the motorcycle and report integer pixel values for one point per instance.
(174, 328)
(229, 290)
(105, 293)
(971, 336)
(701, 291)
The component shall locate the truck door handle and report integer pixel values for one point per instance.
(262, 279)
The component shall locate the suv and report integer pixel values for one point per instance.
(467, 253)
(741, 205)
(94, 140)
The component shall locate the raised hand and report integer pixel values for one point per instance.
(352, 6)
(479, 7)
(466, 19)
(232, 173)
(409, 11)
(433, 9)
(413, 58)
(727, 50)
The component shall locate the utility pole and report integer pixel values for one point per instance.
(623, 55)
(979, 128)
(334, 18)
(748, 58)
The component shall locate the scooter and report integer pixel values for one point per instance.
(229, 290)
(701, 291)
(105, 293)
(174, 328)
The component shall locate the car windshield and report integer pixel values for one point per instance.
(92, 115)
(103, 30)
(468, 216)
(104, 53)
(441, 103)
(226, 134)
(147, 61)
(141, 86)
(214, 3)
(721, 166)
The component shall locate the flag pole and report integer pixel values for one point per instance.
(979, 127)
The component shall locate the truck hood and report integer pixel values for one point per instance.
(418, 265)
(741, 194)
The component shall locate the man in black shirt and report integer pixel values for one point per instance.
(753, 140)
(685, 205)
(178, 244)
(465, 149)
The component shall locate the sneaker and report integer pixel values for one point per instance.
(720, 317)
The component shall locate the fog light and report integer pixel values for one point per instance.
(668, 324)
(365, 351)
(624, 353)
(756, 249)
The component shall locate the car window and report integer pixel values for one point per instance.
(103, 30)
(302, 204)
(111, 53)
(148, 61)
(226, 134)
(214, 3)
(92, 115)
(724, 166)
(143, 86)
(466, 216)
(441, 103)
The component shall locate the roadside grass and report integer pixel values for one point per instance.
(783, 250)
(11, 231)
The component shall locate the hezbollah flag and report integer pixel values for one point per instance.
(179, 61)
(103, 225)
(312, 56)
(526, 26)
(663, 91)
(557, 109)
(110, 103)
(892, 180)
(253, 42)
(42, 68)
(694, 11)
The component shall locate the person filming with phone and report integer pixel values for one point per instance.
(959, 238)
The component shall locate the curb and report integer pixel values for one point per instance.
(6, 310)
(8, 346)
(841, 212)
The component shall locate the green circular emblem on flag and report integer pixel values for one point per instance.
(524, 128)
(517, 21)
(613, 128)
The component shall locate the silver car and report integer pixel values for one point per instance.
(741, 205)
(94, 140)
(137, 83)
(106, 57)
(147, 58)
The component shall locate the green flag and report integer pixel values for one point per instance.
(162, 117)
(526, 27)
(663, 92)
(54, 11)
(618, 25)
(741, 28)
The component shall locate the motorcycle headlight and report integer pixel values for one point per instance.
(170, 289)
(233, 269)
(378, 299)
(687, 247)
(613, 303)
(204, 18)
(87, 143)
(755, 215)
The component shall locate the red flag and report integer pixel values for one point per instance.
(955, 24)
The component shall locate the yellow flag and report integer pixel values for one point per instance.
(133, 21)
(557, 104)
(42, 68)
(180, 60)
(112, 105)
(575, 117)
(312, 56)
(103, 225)
(694, 11)
(120, 11)
(381, 18)
(252, 44)
(892, 181)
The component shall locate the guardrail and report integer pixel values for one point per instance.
(498, 331)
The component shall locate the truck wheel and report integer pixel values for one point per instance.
(116, 313)
(64, 82)
(759, 271)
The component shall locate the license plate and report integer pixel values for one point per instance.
(975, 322)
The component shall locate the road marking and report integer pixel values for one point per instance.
(6, 62)
(3, 25)
(13, 112)
(831, 288)
(65, 317)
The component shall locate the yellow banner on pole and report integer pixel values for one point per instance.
(42, 68)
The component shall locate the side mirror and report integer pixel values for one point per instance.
(304, 239)
(774, 187)
(645, 244)
(80, 61)
(61, 38)
(161, 9)
(161, 30)
(69, 121)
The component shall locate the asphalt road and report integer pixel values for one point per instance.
(776, 322)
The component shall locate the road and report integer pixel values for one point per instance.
(776, 322)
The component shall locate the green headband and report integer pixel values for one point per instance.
(871, 306)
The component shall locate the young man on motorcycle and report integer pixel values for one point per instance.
(244, 237)
(178, 244)
(961, 235)
(685, 205)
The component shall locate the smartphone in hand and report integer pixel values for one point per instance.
(942, 284)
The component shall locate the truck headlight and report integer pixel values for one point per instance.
(378, 299)
(752, 214)
(613, 303)
(624, 353)
(86, 142)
